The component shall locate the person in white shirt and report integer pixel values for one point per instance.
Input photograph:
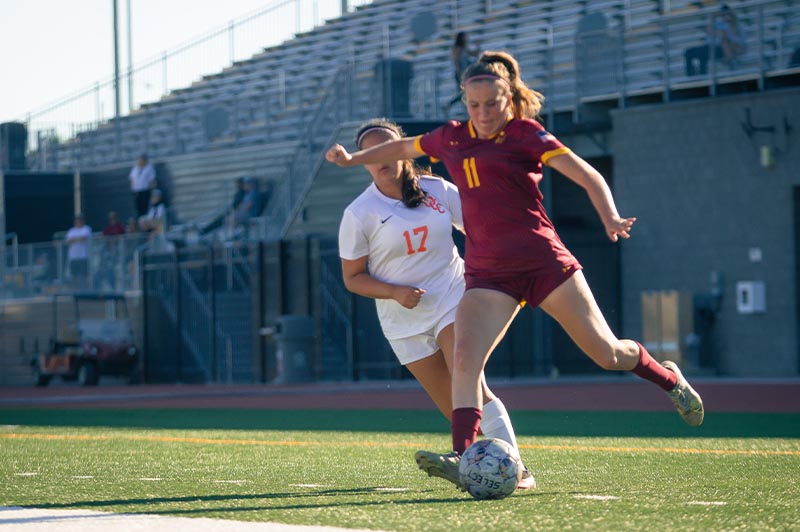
(155, 220)
(396, 246)
(77, 239)
(143, 179)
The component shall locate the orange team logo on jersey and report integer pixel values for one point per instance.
(433, 203)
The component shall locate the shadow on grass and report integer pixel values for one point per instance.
(114, 504)
(526, 423)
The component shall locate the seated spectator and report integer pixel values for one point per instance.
(250, 206)
(794, 61)
(226, 216)
(156, 218)
(43, 271)
(132, 225)
(238, 196)
(725, 41)
(106, 273)
(114, 227)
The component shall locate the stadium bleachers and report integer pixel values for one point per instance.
(266, 102)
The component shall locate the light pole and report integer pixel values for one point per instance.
(116, 60)
(130, 56)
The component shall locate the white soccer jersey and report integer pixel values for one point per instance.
(412, 247)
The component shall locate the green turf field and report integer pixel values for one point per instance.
(596, 470)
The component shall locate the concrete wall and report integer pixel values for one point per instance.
(691, 175)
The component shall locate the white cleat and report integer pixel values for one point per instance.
(686, 400)
(527, 482)
(440, 465)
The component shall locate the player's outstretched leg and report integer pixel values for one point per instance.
(686, 400)
(440, 465)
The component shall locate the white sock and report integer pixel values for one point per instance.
(495, 422)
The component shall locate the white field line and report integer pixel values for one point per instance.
(598, 497)
(13, 519)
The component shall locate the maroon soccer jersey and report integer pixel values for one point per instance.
(507, 228)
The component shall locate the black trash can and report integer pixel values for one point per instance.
(393, 78)
(294, 348)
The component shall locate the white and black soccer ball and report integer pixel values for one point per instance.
(490, 469)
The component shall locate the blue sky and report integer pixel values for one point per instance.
(53, 48)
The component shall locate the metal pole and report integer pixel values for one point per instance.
(212, 315)
(76, 190)
(2, 225)
(231, 48)
(144, 351)
(178, 318)
(164, 72)
(130, 56)
(116, 60)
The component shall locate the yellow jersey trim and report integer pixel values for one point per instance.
(418, 147)
(546, 156)
(418, 144)
(473, 134)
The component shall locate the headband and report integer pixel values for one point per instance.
(370, 129)
(486, 77)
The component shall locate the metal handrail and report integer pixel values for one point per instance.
(284, 200)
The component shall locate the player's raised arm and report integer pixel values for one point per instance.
(582, 173)
(388, 152)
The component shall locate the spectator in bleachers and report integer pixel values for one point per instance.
(155, 220)
(77, 240)
(794, 61)
(249, 207)
(109, 253)
(114, 227)
(461, 55)
(43, 271)
(725, 41)
(238, 196)
(131, 225)
(143, 180)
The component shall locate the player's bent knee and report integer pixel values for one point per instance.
(606, 360)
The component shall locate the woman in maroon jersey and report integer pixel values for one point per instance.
(513, 254)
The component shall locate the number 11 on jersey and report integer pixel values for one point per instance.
(417, 230)
(471, 172)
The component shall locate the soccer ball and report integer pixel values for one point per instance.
(490, 469)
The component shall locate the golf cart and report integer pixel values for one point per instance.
(92, 336)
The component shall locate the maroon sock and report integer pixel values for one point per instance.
(649, 369)
(464, 425)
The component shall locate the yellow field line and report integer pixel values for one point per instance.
(226, 441)
(657, 450)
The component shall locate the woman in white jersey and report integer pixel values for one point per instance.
(396, 246)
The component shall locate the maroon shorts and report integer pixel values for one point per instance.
(531, 287)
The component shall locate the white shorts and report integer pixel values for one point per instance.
(413, 348)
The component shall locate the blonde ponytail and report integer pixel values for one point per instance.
(525, 101)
